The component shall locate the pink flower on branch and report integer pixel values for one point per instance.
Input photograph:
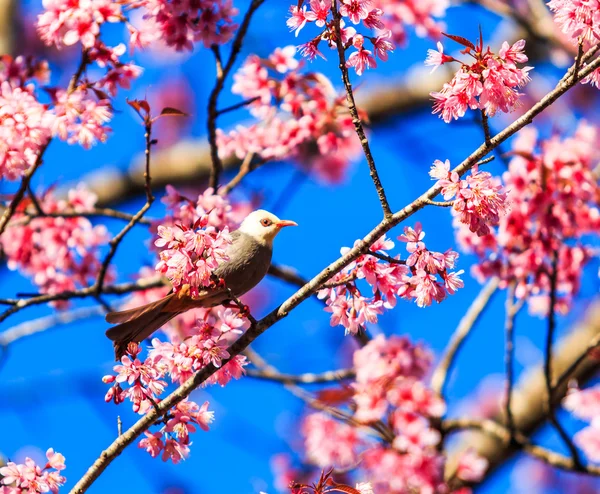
(301, 116)
(553, 211)
(30, 478)
(489, 83)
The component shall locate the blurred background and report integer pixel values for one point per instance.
(51, 393)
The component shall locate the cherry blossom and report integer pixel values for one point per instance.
(578, 19)
(552, 212)
(479, 201)
(64, 23)
(296, 110)
(29, 478)
(191, 255)
(490, 82)
(585, 405)
(59, 254)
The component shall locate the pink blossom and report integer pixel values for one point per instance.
(295, 109)
(283, 59)
(152, 443)
(551, 197)
(65, 23)
(577, 19)
(471, 466)
(299, 18)
(588, 439)
(321, 10)
(329, 442)
(59, 254)
(356, 10)
(489, 83)
(31, 478)
(382, 45)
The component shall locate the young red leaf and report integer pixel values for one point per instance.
(168, 111)
(139, 105)
(461, 40)
(335, 396)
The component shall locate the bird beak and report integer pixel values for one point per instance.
(282, 223)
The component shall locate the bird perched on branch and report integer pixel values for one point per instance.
(249, 258)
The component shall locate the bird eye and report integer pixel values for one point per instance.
(266, 222)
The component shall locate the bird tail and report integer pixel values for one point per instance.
(138, 324)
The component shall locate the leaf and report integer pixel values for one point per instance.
(342, 488)
(335, 396)
(461, 40)
(168, 111)
(101, 95)
(139, 105)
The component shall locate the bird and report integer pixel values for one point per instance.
(248, 260)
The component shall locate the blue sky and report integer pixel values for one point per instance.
(50, 384)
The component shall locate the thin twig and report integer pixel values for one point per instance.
(486, 126)
(119, 426)
(222, 73)
(358, 127)
(564, 377)
(466, 324)
(385, 257)
(34, 201)
(578, 59)
(245, 168)
(116, 241)
(509, 352)
(360, 248)
(306, 378)
(548, 366)
(241, 104)
(29, 328)
(90, 291)
(103, 212)
(497, 430)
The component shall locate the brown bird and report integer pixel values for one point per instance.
(249, 259)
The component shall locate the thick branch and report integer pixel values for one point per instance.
(307, 378)
(529, 396)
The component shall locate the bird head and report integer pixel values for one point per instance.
(263, 226)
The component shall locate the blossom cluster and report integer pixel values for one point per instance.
(178, 24)
(30, 478)
(387, 20)
(580, 22)
(489, 83)
(389, 388)
(142, 382)
(357, 11)
(478, 201)
(301, 117)
(585, 405)
(415, 278)
(59, 253)
(77, 115)
(554, 210)
(190, 255)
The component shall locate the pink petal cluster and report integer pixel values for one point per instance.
(554, 209)
(219, 210)
(585, 405)
(80, 118)
(180, 24)
(25, 128)
(420, 15)
(490, 82)
(59, 254)
(389, 387)
(142, 382)
(301, 117)
(173, 439)
(356, 11)
(30, 478)
(67, 22)
(414, 279)
(578, 19)
(329, 442)
(479, 201)
(190, 255)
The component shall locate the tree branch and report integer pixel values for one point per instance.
(466, 324)
(306, 378)
(222, 73)
(358, 127)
